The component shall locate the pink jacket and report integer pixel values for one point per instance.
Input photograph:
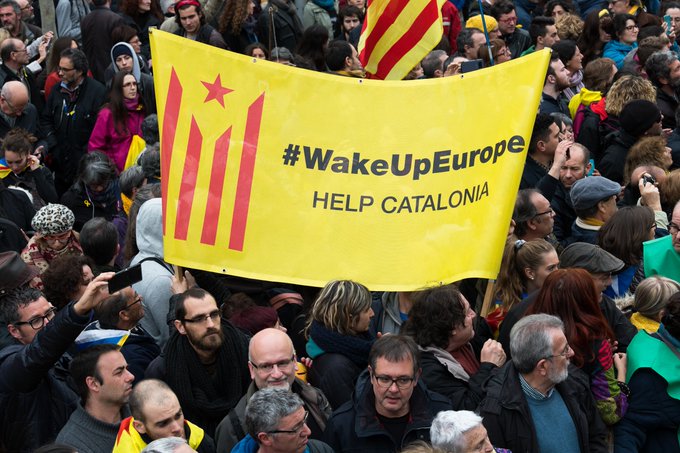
(105, 138)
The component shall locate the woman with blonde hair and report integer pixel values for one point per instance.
(338, 338)
(602, 117)
(651, 297)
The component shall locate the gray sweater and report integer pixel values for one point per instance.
(89, 435)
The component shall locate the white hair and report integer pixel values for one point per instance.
(449, 427)
(164, 445)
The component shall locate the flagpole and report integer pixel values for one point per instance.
(486, 32)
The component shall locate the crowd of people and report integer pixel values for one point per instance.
(574, 347)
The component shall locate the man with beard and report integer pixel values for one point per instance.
(536, 402)
(10, 15)
(204, 361)
(192, 24)
(663, 70)
(556, 81)
(273, 364)
(342, 59)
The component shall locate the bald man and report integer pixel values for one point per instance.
(15, 58)
(15, 109)
(273, 363)
(156, 414)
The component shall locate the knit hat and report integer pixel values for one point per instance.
(638, 116)
(53, 219)
(590, 257)
(119, 50)
(587, 192)
(476, 22)
(14, 273)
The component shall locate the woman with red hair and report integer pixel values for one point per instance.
(570, 295)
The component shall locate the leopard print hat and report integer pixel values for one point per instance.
(53, 219)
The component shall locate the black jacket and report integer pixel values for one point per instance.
(34, 96)
(355, 427)
(668, 105)
(287, 28)
(613, 161)
(96, 29)
(36, 402)
(39, 182)
(335, 375)
(564, 215)
(68, 127)
(28, 120)
(16, 207)
(593, 133)
(551, 105)
(77, 200)
(508, 421)
(463, 395)
(536, 177)
(518, 42)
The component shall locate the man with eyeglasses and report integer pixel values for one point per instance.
(517, 39)
(276, 422)
(14, 55)
(118, 314)
(34, 395)
(205, 362)
(392, 403)
(273, 364)
(533, 216)
(536, 402)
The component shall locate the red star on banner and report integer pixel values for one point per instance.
(216, 91)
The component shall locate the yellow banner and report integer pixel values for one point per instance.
(284, 174)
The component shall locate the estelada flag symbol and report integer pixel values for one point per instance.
(284, 174)
(397, 34)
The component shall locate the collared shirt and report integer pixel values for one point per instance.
(532, 392)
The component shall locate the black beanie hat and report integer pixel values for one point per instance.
(120, 49)
(638, 116)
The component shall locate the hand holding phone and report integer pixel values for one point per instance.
(125, 278)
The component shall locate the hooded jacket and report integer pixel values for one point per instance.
(145, 81)
(157, 278)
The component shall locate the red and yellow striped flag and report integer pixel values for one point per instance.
(397, 34)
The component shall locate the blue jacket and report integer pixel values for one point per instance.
(617, 51)
(248, 445)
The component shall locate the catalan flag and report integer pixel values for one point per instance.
(397, 34)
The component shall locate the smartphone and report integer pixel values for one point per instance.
(669, 24)
(125, 278)
(649, 179)
(472, 65)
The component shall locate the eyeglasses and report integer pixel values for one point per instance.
(386, 382)
(549, 211)
(508, 20)
(296, 430)
(135, 302)
(673, 228)
(565, 352)
(20, 50)
(269, 367)
(39, 321)
(632, 27)
(213, 315)
(61, 237)
(60, 69)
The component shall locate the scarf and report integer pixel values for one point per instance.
(290, 8)
(584, 97)
(446, 359)
(575, 85)
(70, 94)
(127, 203)
(355, 348)
(195, 388)
(325, 4)
(107, 197)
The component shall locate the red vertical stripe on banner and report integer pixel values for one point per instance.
(213, 204)
(422, 23)
(382, 24)
(170, 119)
(245, 175)
(188, 185)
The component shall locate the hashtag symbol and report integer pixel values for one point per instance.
(291, 154)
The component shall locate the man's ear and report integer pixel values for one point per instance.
(180, 327)
(92, 383)
(14, 332)
(264, 439)
(139, 426)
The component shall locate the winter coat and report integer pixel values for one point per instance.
(508, 420)
(617, 51)
(35, 398)
(355, 427)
